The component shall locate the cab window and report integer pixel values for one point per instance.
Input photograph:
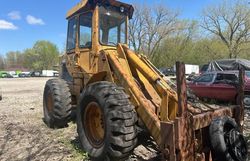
(112, 26)
(85, 38)
(71, 40)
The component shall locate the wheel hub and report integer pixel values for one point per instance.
(94, 124)
(236, 145)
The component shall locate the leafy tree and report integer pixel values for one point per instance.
(42, 56)
(30, 58)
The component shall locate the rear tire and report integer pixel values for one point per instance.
(56, 103)
(117, 137)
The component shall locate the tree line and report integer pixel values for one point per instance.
(42, 56)
(223, 31)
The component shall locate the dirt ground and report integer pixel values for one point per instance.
(24, 136)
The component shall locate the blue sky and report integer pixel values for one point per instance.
(23, 22)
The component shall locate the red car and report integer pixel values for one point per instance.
(220, 86)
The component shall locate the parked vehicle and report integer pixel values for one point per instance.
(15, 76)
(35, 74)
(219, 86)
(49, 73)
(6, 75)
(21, 75)
(167, 71)
(24, 74)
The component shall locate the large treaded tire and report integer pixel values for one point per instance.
(119, 117)
(56, 103)
(225, 138)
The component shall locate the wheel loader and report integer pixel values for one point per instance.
(115, 91)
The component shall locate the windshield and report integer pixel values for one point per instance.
(112, 26)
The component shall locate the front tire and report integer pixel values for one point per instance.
(106, 122)
(57, 103)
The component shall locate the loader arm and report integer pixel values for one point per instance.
(170, 120)
(160, 103)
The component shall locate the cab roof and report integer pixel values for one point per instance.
(86, 5)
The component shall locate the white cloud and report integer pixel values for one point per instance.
(15, 15)
(34, 21)
(5, 25)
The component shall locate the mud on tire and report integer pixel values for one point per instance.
(56, 103)
(118, 119)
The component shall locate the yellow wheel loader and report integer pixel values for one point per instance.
(114, 91)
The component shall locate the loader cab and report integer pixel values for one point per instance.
(93, 26)
(97, 25)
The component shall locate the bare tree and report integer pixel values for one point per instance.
(160, 22)
(14, 59)
(137, 29)
(230, 21)
(178, 45)
(150, 26)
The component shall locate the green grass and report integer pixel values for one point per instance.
(77, 153)
(73, 145)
